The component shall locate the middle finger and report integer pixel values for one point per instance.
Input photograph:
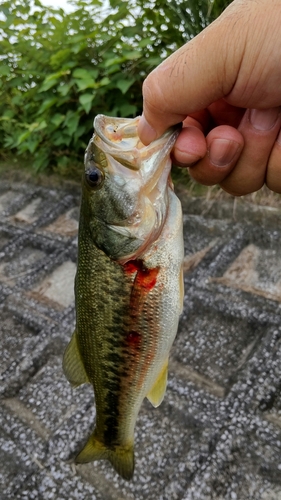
(259, 129)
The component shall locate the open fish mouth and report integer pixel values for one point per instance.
(118, 133)
(120, 139)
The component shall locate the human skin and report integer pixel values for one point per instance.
(225, 86)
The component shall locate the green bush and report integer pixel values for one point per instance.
(58, 69)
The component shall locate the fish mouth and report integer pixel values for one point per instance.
(118, 132)
(119, 138)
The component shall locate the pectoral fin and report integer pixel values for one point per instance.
(73, 366)
(157, 393)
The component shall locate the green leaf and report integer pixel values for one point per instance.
(124, 85)
(48, 103)
(4, 70)
(113, 60)
(104, 81)
(86, 101)
(16, 100)
(7, 115)
(51, 80)
(79, 47)
(32, 145)
(62, 139)
(79, 131)
(85, 79)
(87, 83)
(64, 88)
(136, 54)
(145, 42)
(85, 73)
(23, 137)
(71, 122)
(57, 119)
(41, 125)
(60, 57)
(127, 110)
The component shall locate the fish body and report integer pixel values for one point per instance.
(129, 283)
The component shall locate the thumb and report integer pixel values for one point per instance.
(199, 73)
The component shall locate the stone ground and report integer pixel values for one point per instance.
(217, 435)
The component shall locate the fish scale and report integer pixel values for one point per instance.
(129, 285)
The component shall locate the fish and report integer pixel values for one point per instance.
(129, 283)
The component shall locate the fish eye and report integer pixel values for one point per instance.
(94, 176)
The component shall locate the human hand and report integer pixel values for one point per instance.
(225, 85)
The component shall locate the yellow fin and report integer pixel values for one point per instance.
(73, 365)
(120, 457)
(157, 393)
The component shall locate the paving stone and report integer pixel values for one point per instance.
(215, 346)
(29, 213)
(4, 238)
(26, 471)
(6, 199)
(200, 234)
(13, 336)
(66, 224)
(20, 449)
(54, 482)
(58, 286)
(17, 267)
(50, 397)
(257, 270)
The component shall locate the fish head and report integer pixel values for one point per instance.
(125, 186)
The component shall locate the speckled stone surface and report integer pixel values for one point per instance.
(217, 435)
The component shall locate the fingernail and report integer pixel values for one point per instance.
(222, 152)
(264, 119)
(146, 133)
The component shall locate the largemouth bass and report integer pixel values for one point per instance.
(129, 283)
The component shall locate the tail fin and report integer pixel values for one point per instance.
(121, 457)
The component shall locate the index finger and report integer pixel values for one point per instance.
(190, 79)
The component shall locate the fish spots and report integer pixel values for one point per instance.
(134, 338)
(146, 278)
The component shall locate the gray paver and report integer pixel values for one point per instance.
(217, 435)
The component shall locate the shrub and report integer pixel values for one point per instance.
(58, 69)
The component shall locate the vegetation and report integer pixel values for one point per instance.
(58, 69)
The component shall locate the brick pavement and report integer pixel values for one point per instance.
(217, 435)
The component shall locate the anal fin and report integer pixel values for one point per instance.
(73, 365)
(157, 392)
